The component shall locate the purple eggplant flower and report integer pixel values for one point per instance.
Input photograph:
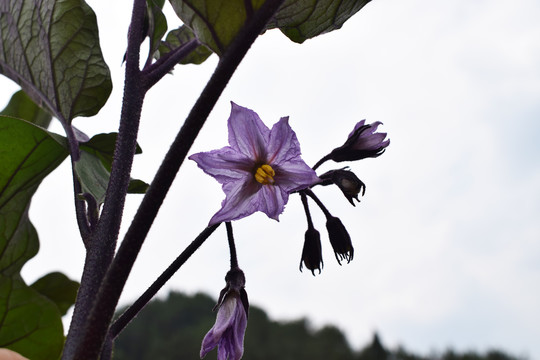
(228, 331)
(347, 181)
(231, 322)
(363, 142)
(259, 168)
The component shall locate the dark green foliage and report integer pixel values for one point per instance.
(58, 288)
(30, 321)
(471, 355)
(375, 351)
(57, 59)
(174, 328)
(169, 329)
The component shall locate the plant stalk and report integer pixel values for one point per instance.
(113, 284)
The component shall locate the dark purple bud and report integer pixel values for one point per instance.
(311, 253)
(363, 142)
(347, 181)
(236, 280)
(340, 239)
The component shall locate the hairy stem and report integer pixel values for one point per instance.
(320, 162)
(312, 195)
(153, 73)
(141, 302)
(102, 242)
(80, 208)
(306, 209)
(113, 284)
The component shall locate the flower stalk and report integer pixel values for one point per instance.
(232, 246)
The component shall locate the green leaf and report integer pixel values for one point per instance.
(102, 146)
(300, 20)
(28, 153)
(58, 288)
(51, 48)
(178, 37)
(215, 22)
(137, 186)
(94, 167)
(30, 324)
(22, 107)
(93, 176)
(157, 24)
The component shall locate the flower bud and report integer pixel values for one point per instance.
(236, 280)
(228, 332)
(340, 239)
(347, 181)
(363, 142)
(311, 253)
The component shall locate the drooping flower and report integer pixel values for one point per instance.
(339, 239)
(231, 321)
(259, 168)
(347, 181)
(363, 142)
(311, 253)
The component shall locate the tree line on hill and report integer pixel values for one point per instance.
(173, 328)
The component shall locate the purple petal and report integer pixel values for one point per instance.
(374, 126)
(283, 144)
(228, 331)
(225, 318)
(272, 200)
(247, 132)
(295, 175)
(240, 201)
(252, 144)
(370, 142)
(224, 165)
(357, 126)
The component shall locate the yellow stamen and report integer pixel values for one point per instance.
(265, 175)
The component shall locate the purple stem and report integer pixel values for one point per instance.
(102, 242)
(96, 323)
(320, 162)
(141, 302)
(80, 208)
(153, 73)
(306, 209)
(312, 195)
(232, 247)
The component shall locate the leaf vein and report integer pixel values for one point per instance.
(208, 25)
(12, 176)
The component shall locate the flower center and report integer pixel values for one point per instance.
(265, 175)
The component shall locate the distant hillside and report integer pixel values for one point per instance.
(173, 329)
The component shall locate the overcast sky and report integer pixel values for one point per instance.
(447, 237)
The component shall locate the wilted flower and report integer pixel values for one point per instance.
(311, 253)
(231, 322)
(347, 181)
(363, 142)
(340, 239)
(259, 168)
